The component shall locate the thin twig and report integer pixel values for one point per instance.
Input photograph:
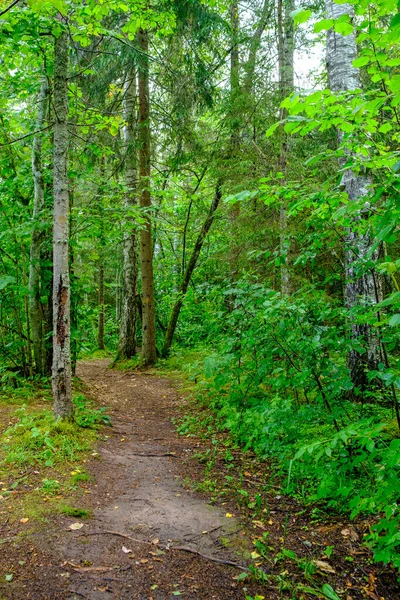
(3, 12)
(159, 455)
(117, 533)
(23, 137)
(220, 561)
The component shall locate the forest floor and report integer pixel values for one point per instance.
(153, 533)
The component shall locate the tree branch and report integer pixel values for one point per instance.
(3, 12)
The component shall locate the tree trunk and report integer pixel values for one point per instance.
(286, 86)
(169, 336)
(61, 372)
(102, 243)
(149, 354)
(35, 305)
(100, 330)
(360, 286)
(127, 333)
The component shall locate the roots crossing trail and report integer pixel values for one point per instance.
(141, 510)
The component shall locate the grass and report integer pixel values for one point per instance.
(42, 461)
(77, 513)
(95, 354)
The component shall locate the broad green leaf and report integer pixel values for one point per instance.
(394, 320)
(323, 25)
(361, 61)
(329, 592)
(301, 15)
(5, 281)
(343, 28)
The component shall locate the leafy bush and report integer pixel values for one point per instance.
(280, 380)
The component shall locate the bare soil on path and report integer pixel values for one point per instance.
(141, 512)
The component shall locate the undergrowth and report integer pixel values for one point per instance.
(279, 385)
(42, 460)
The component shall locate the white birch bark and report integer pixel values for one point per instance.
(127, 333)
(61, 372)
(286, 86)
(360, 289)
(35, 305)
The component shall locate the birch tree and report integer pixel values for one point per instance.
(360, 285)
(286, 86)
(61, 372)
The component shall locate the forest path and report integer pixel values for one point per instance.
(138, 491)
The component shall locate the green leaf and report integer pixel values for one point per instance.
(343, 28)
(329, 592)
(395, 320)
(395, 22)
(272, 129)
(323, 25)
(5, 280)
(301, 16)
(361, 61)
(385, 128)
(394, 83)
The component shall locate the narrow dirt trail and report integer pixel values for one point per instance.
(138, 491)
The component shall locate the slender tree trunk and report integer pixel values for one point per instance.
(127, 333)
(169, 336)
(27, 321)
(35, 305)
(286, 86)
(360, 286)
(149, 353)
(61, 373)
(235, 119)
(100, 330)
(255, 44)
(118, 296)
(102, 243)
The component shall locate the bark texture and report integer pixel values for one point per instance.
(169, 336)
(360, 286)
(149, 354)
(35, 305)
(127, 333)
(102, 243)
(61, 372)
(100, 327)
(286, 87)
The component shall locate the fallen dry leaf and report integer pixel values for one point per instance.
(371, 594)
(324, 566)
(155, 541)
(24, 520)
(351, 533)
(259, 524)
(75, 526)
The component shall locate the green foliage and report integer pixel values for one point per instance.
(279, 380)
(89, 416)
(38, 439)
